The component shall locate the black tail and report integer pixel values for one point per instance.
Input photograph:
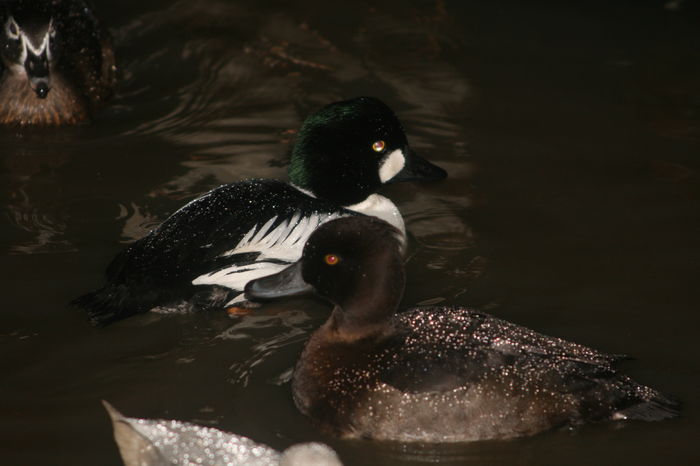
(108, 304)
(656, 408)
(608, 395)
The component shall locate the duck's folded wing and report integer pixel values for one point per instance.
(462, 341)
(232, 222)
(217, 239)
(447, 349)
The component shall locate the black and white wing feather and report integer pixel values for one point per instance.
(223, 239)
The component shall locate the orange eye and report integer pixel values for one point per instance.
(378, 146)
(331, 259)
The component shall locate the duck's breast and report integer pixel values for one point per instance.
(19, 105)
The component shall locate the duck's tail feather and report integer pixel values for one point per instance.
(108, 304)
(656, 408)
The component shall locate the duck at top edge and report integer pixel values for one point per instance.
(57, 62)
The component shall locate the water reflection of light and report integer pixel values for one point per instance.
(267, 335)
(137, 222)
(46, 230)
(237, 92)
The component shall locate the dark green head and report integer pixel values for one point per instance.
(347, 150)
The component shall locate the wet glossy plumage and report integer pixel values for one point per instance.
(158, 442)
(204, 254)
(438, 374)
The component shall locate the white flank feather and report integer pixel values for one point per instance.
(285, 242)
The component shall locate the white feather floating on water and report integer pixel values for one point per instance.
(155, 442)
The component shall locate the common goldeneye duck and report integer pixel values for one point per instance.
(434, 374)
(159, 442)
(205, 253)
(57, 62)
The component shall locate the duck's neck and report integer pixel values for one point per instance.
(374, 205)
(381, 207)
(368, 311)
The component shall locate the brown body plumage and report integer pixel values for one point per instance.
(435, 374)
(79, 59)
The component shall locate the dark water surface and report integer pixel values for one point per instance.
(571, 133)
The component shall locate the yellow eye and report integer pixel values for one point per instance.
(331, 259)
(379, 146)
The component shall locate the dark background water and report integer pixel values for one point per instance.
(571, 133)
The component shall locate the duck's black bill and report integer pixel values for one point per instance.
(288, 282)
(37, 67)
(419, 169)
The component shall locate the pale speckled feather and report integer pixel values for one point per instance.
(151, 442)
(450, 375)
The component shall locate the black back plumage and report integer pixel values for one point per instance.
(157, 270)
(355, 145)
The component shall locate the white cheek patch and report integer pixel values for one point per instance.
(391, 165)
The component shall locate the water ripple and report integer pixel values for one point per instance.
(268, 335)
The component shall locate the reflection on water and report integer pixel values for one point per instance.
(231, 87)
(46, 230)
(583, 146)
(284, 330)
(26, 171)
(137, 222)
